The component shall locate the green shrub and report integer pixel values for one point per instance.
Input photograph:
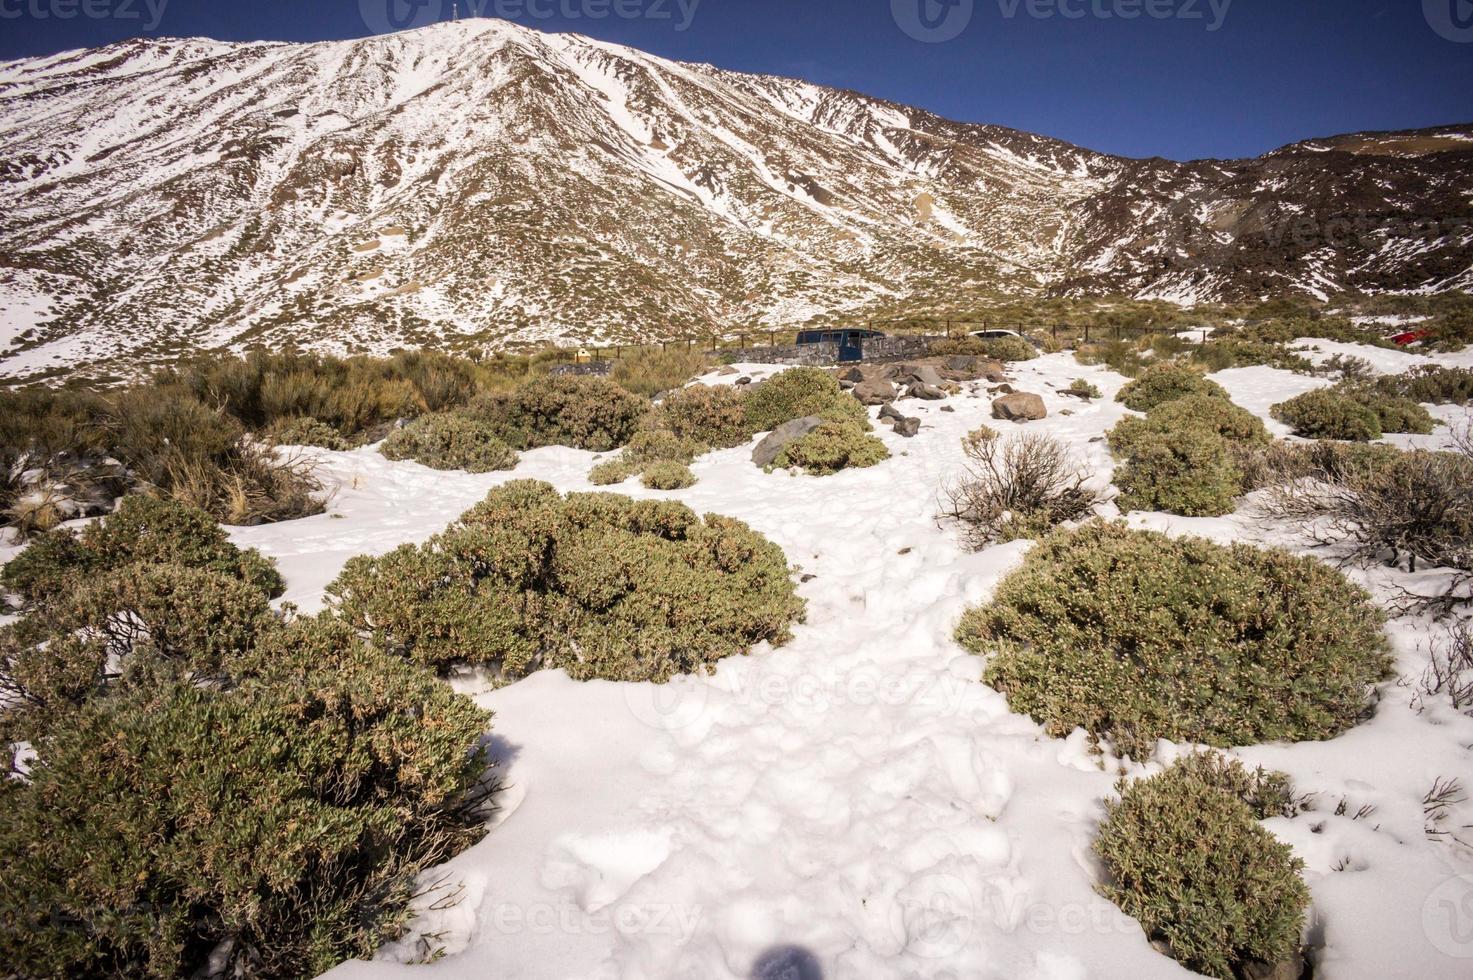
(579, 412)
(1221, 353)
(712, 416)
(954, 346)
(839, 443)
(797, 393)
(450, 442)
(668, 476)
(1081, 388)
(596, 584)
(1433, 385)
(1008, 349)
(1188, 471)
(1166, 382)
(1267, 793)
(1118, 355)
(648, 450)
(1188, 861)
(81, 643)
(1329, 414)
(303, 430)
(272, 827)
(143, 530)
(1136, 636)
(1180, 458)
(650, 372)
(1398, 414)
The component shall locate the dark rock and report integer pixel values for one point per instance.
(891, 413)
(743, 381)
(908, 428)
(930, 393)
(961, 362)
(854, 374)
(1291, 968)
(947, 408)
(769, 448)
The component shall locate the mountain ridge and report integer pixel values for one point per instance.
(479, 183)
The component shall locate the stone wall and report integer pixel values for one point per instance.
(588, 369)
(827, 354)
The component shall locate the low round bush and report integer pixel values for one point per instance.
(1166, 382)
(797, 393)
(668, 476)
(450, 442)
(142, 530)
(304, 430)
(272, 827)
(837, 444)
(1188, 860)
(1188, 471)
(651, 450)
(1136, 636)
(1396, 414)
(714, 416)
(1008, 349)
(1183, 457)
(1329, 414)
(597, 584)
(580, 412)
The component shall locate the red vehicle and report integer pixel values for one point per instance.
(1409, 337)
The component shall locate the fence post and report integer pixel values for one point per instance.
(1086, 331)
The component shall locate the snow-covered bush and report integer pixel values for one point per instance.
(797, 393)
(1166, 382)
(142, 530)
(597, 584)
(580, 412)
(650, 372)
(269, 827)
(668, 475)
(450, 441)
(841, 442)
(649, 449)
(1135, 636)
(1329, 414)
(714, 416)
(303, 430)
(1180, 458)
(1237, 902)
(1021, 487)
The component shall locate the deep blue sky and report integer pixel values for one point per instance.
(1275, 71)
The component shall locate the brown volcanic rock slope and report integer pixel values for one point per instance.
(483, 184)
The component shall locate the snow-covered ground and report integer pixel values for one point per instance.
(856, 804)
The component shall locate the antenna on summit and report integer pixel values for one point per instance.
(455, 8)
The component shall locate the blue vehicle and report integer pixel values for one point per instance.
(850, 341)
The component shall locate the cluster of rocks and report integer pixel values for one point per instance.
(933, 381)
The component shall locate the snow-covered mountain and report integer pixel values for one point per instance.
(483, 184)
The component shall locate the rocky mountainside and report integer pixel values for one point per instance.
(482, 184)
